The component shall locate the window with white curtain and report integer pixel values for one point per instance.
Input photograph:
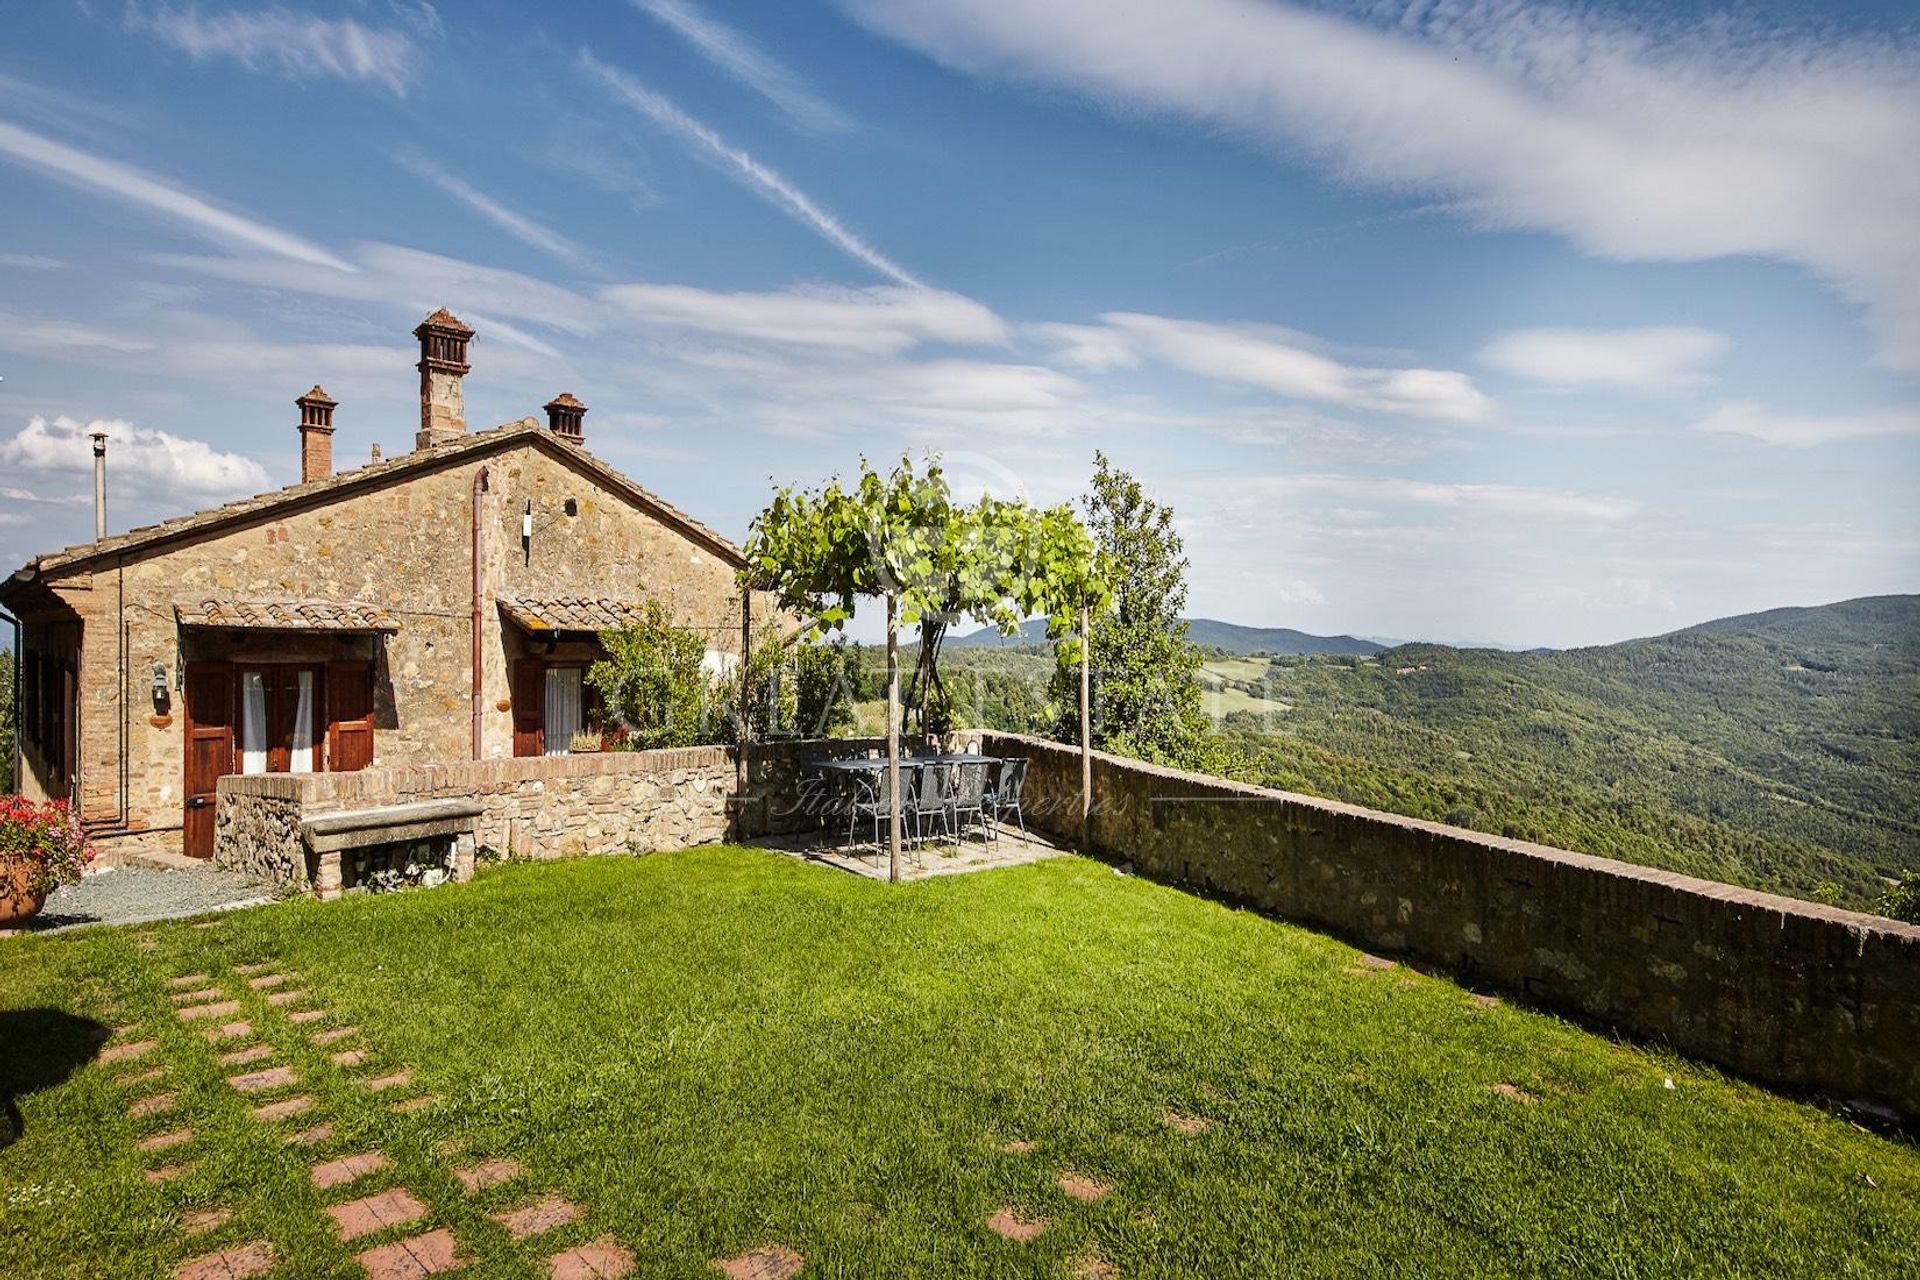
(301, 759)
(253, 722)
(563, 718)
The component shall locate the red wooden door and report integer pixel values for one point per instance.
(209, 753)
(349, 716)
(529, 707)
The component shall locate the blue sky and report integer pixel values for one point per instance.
(1456, 320)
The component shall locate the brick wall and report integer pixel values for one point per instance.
(1787, 992)
(545, 807)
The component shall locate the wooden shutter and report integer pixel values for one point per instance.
(349, 716)
(529, 707)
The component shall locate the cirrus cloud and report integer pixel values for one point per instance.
(1652, 358)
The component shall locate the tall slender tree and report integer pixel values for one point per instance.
(1143, 695)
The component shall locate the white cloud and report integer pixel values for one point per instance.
(412, 279)
(1273, 360)
(737, 55)
(882, 320)
(1501, 500)
(1657, 143)
(298, 45)
(150, 463)
(135, 187)
(31, 262)
(517, 225)
(768, 184)
(1653, 358)
(1757, 422)
(28, 335)
(1094, 348)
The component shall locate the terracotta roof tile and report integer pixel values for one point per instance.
(286, 615)
(572, 613)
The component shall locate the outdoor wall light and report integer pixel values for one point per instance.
(159, 686)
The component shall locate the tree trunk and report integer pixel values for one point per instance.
(1086, 734)
(893, 739)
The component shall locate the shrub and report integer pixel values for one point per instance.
(1902, 901)
(44, 837)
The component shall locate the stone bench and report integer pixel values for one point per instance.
(332, 837)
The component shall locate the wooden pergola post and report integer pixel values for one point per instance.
(893, 739)
(1086, 731)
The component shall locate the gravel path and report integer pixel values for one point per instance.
(132, 895)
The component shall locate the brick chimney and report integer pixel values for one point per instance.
(316, 435)
(443, 362)
(563, 416)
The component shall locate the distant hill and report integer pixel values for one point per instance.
(1207, 633)
(1280, 641)
(1777, 749)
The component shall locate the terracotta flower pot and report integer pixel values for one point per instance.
(18, 901)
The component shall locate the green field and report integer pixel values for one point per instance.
(724, 1048)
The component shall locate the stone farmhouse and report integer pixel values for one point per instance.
(437, 606)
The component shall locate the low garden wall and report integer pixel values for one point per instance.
(1781, 990)
(541, 807)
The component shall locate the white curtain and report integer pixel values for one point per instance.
(563, 708)
(301, 758)
(253, 722)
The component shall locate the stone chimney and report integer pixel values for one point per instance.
(316, 435)
(443, 362)
(563, 416)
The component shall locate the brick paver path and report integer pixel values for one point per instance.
(425, 1255)
(242, 1262)
(336, 1173)
(271, 1078)
(349, 1057)
(332, 1034)
(394, 1081)
(420, 1103)
(153, 1105)
(306, 1015)
(219, 1010)
(241, 1057)
(285, 997)
(769, 1262)
(188, 980)
(131, 1049)
(230, 1030)
(258, 967)
(601, 1260)
(266, 980)
(311, 1137)
(167, 1173)
(195, 997)
(534, 1219)
(490, 1174)
(1010, 1223)
(1084, 1188)
(284, 1108)
(369, 1214)
(162, 1141)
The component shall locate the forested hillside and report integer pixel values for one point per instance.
(1779, 750)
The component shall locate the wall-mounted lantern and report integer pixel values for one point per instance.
(160, 686)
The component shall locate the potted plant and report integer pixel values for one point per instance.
(41, 846)
(585, 740)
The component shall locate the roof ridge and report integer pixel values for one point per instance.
(372, 472)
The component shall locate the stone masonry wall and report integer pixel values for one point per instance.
(403, 546)
(545, 807)
(1788, 992)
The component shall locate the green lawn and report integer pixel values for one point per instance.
(723, 1048)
